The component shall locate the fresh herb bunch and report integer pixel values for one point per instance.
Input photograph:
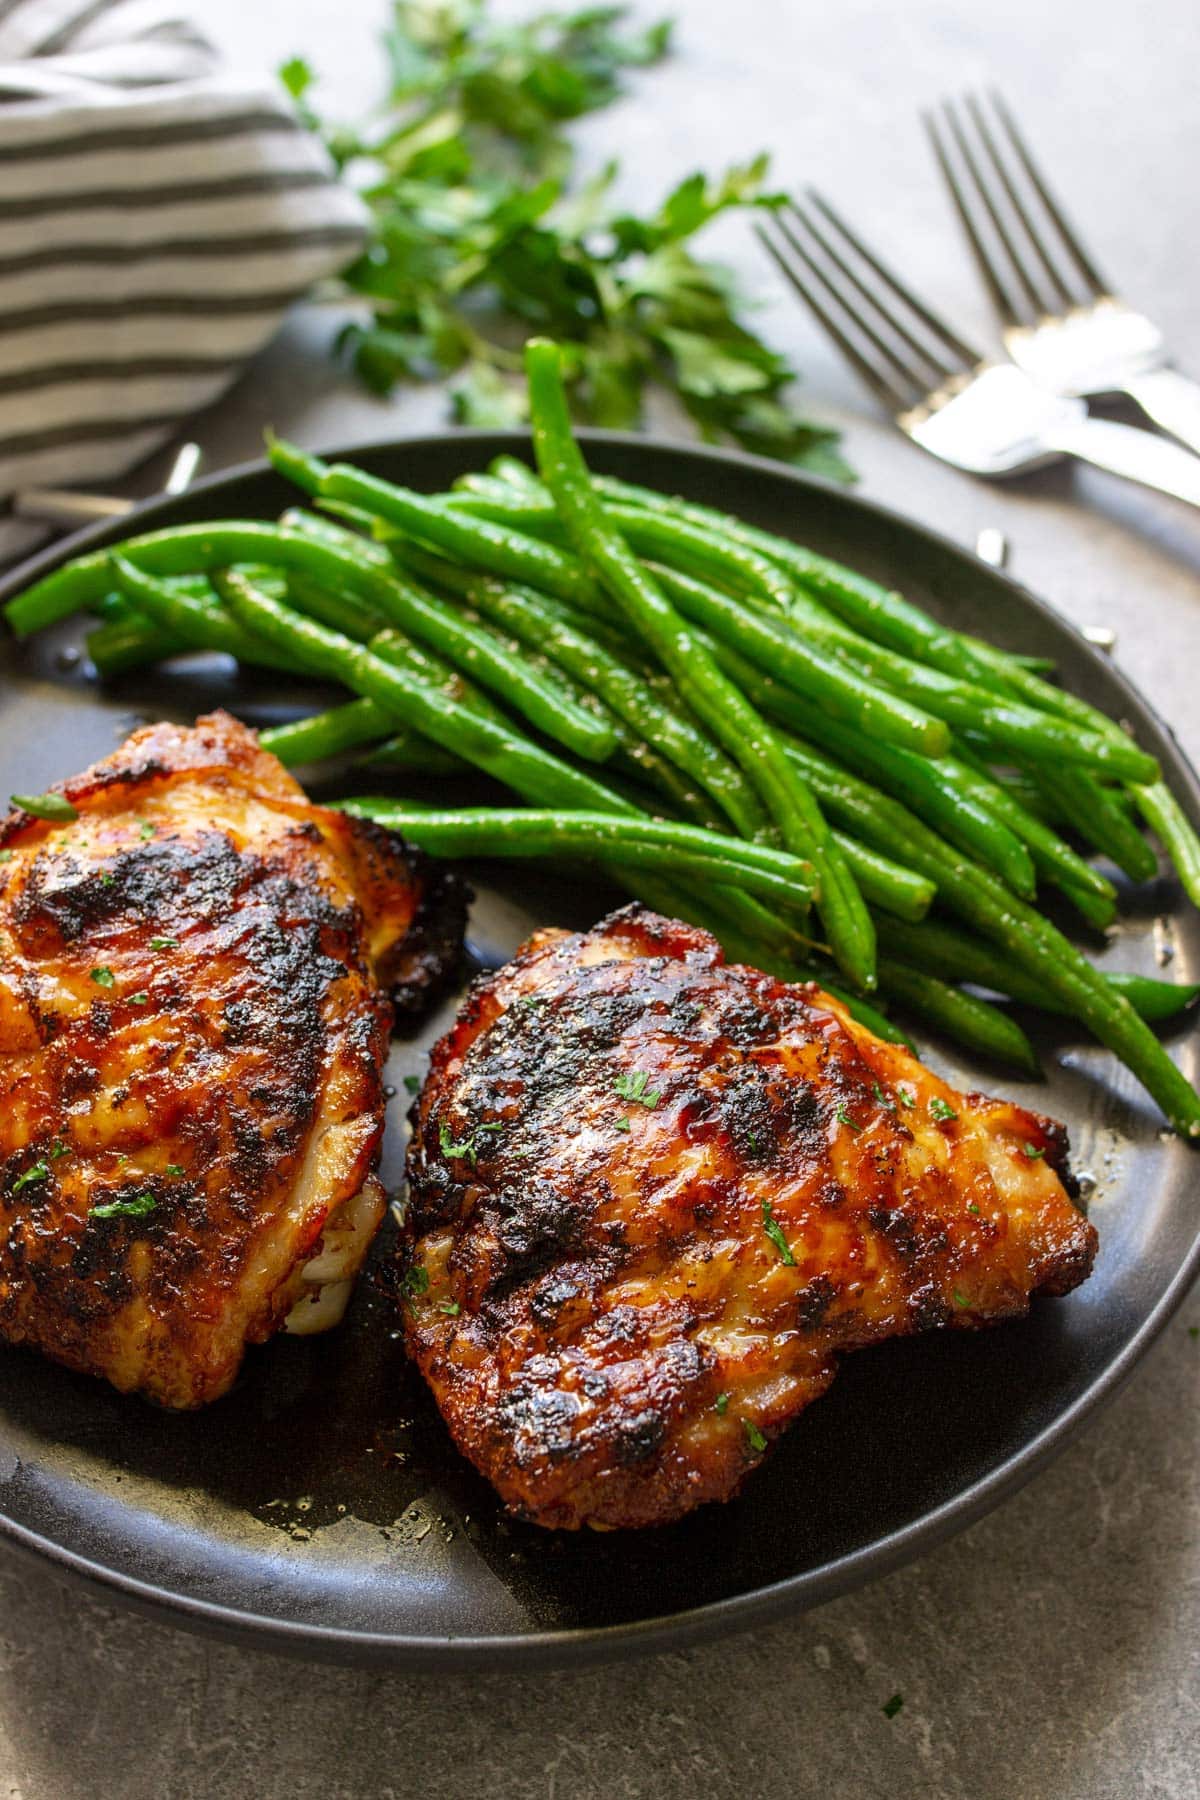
(478, 235)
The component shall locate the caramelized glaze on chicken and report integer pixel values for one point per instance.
(653, 1197)
(197, 980)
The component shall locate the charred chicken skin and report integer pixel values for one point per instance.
(654, 1196)
(197, 980)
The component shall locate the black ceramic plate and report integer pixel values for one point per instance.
(321, 1506)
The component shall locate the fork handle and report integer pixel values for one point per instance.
(1172, 400)
(1137, 455)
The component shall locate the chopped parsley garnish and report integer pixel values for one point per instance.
(774, 1231)
(176, 1169)
(37, 1171)
(892, 1707)
(888, 1105)
(103, 976)
(139, 999)
(451, 1308)
(470, 1147)
(635, 1087)
(46, 806)
(840, 1113)
(972, 1208)
(1032, 1151)
(938, 1109)
(414, 1281)
(7, 855)
(1194, 1331)
(104, 878)
(136, 1208)
(57, 1149)
(622, 1124)
(960, 1299)
(754, 1436)
(905, 1098)
(721, 1402)
(146, 830)
(412, 1084)
(164, 943)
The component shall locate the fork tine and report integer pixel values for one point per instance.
(965, 353)
(880, 383)
(1071, 244)
(1058, 288)
(872, 320)
(938, 369)
(983, 262)
(1033, 299)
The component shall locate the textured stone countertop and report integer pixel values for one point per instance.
(1051, 1652)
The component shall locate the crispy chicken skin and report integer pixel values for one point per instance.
(653, 1196)
(197, 979)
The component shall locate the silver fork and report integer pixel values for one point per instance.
(983, 416)
(1061, 320)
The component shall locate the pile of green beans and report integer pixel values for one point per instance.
(738, 730)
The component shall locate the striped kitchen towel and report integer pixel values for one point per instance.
(158, 212)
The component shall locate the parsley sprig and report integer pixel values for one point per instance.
(468, 1148)
(635, 1086)
(479, 234)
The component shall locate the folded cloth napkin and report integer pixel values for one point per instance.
(157, 214)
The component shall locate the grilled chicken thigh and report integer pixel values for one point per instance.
(653, 1197)
(197, 979)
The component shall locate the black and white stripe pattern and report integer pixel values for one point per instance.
(157, 215)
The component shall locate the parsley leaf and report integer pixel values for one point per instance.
(142, 999)
(721, 1403)
(451, 1308)
(1033, 1151)
(891, 1707)
(176, 1169)
(136, 1208)
(37, 1171)
(960, 1299)
(938, 1109)
(412, 1084)
(58, 1148)
(6, 856)
(840, 1113)
(754, 1436)
(164, 943)
(774, 1231)
(622, 1125)
(887, 1105)
(478, 232)
(103, 976)
(46, 806)
(146, 830)
(905, 1097)
(414, 1281)
(470, 1147)
(634, 1086)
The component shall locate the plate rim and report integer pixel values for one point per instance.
(756, 1606)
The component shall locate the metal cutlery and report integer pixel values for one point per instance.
(987, 417)
(1062, 322)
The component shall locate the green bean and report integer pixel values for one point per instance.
(957, 814)
(1093, 813)
(130, 642)
(356, 617)
(410, 753)
(975, 1023)
(539, 622)
(654, 843)
(1164, 815)
(885, 883)
(779, 650)
(543, 697)
(1086, 887)
(186, 550)
(476, 541)
(497, 748)
(954, 956)
(976, 895)
(195, 623)
(697, 676)
(325, 734)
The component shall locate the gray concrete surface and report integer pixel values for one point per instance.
(1052, 1651)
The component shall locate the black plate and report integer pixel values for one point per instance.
(321, 1506)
